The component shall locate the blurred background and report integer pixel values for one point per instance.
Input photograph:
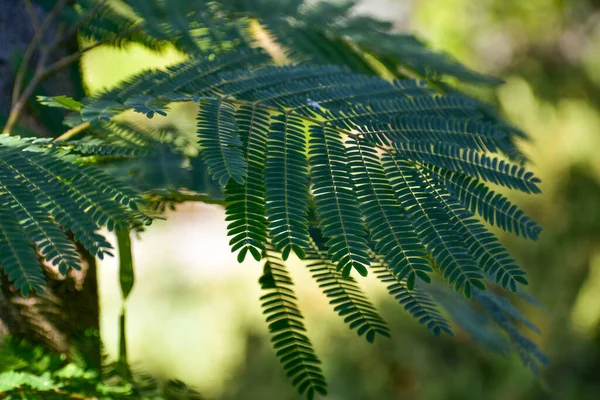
(202, 322)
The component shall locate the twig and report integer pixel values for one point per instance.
(43, 72)
(32, 16)
(73, 131)
(31, 49)
(65, 61)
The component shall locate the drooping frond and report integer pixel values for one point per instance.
(245, 204)
(336, 203)
(52, 242)
(465, 133)
(45, 194)
(292, 346)
(416, 301)
(286, 180)
(392, 184)
(433, 141)
(220, 143)
(493, 207)
(19, 261)
(392, 233)
(434, 227)
(467, 316)
(349, 300)
(529, 352)
(472, 163)
(482, 244)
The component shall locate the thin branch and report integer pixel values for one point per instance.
(32, 16)
(31, 49)
(73, 131)
(43, 72)
(65, 61)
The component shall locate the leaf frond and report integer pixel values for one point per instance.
(293, 348)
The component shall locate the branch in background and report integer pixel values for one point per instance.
(37, 38)
(32, 16)
(73, 131)
(42, 71)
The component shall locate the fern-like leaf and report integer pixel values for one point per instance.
(221, 147)
(344, 293)
(19, 261)
(246, 203)
(529, 352)
(415, 300)
(434, 227)
(292, 346)
(286, 179)
(53, 244)
(493, 207)
(336, 202)
(473, 163)
(393, 235)
(465, 133)
(48, 194)
(483, 245)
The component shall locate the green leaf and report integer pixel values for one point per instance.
(221, 147)
(286, 181)
(292, 346)
(245, 204)
(490, 254)
(13, 380)
(414, 299)
(346, 296)
(336, 203)
(434, 227)
(60, 102)
(126, 273)
(394, 236)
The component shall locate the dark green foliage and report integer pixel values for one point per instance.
(286, 179)
(336, 203)
(45, 194)
(493, 207)
(389, 184)
(469, 162)
(220, 144)
(284, 319)
(433, 226)
(392, 233)
(415, 300)
(493, 321)
(430, 130)
(504, 315)
(246, 203)
(392, 170)
(492, 257)
(101, 22)
(349, 300)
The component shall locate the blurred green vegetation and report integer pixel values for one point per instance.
(548, 52)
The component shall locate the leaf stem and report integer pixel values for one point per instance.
(73, 131)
